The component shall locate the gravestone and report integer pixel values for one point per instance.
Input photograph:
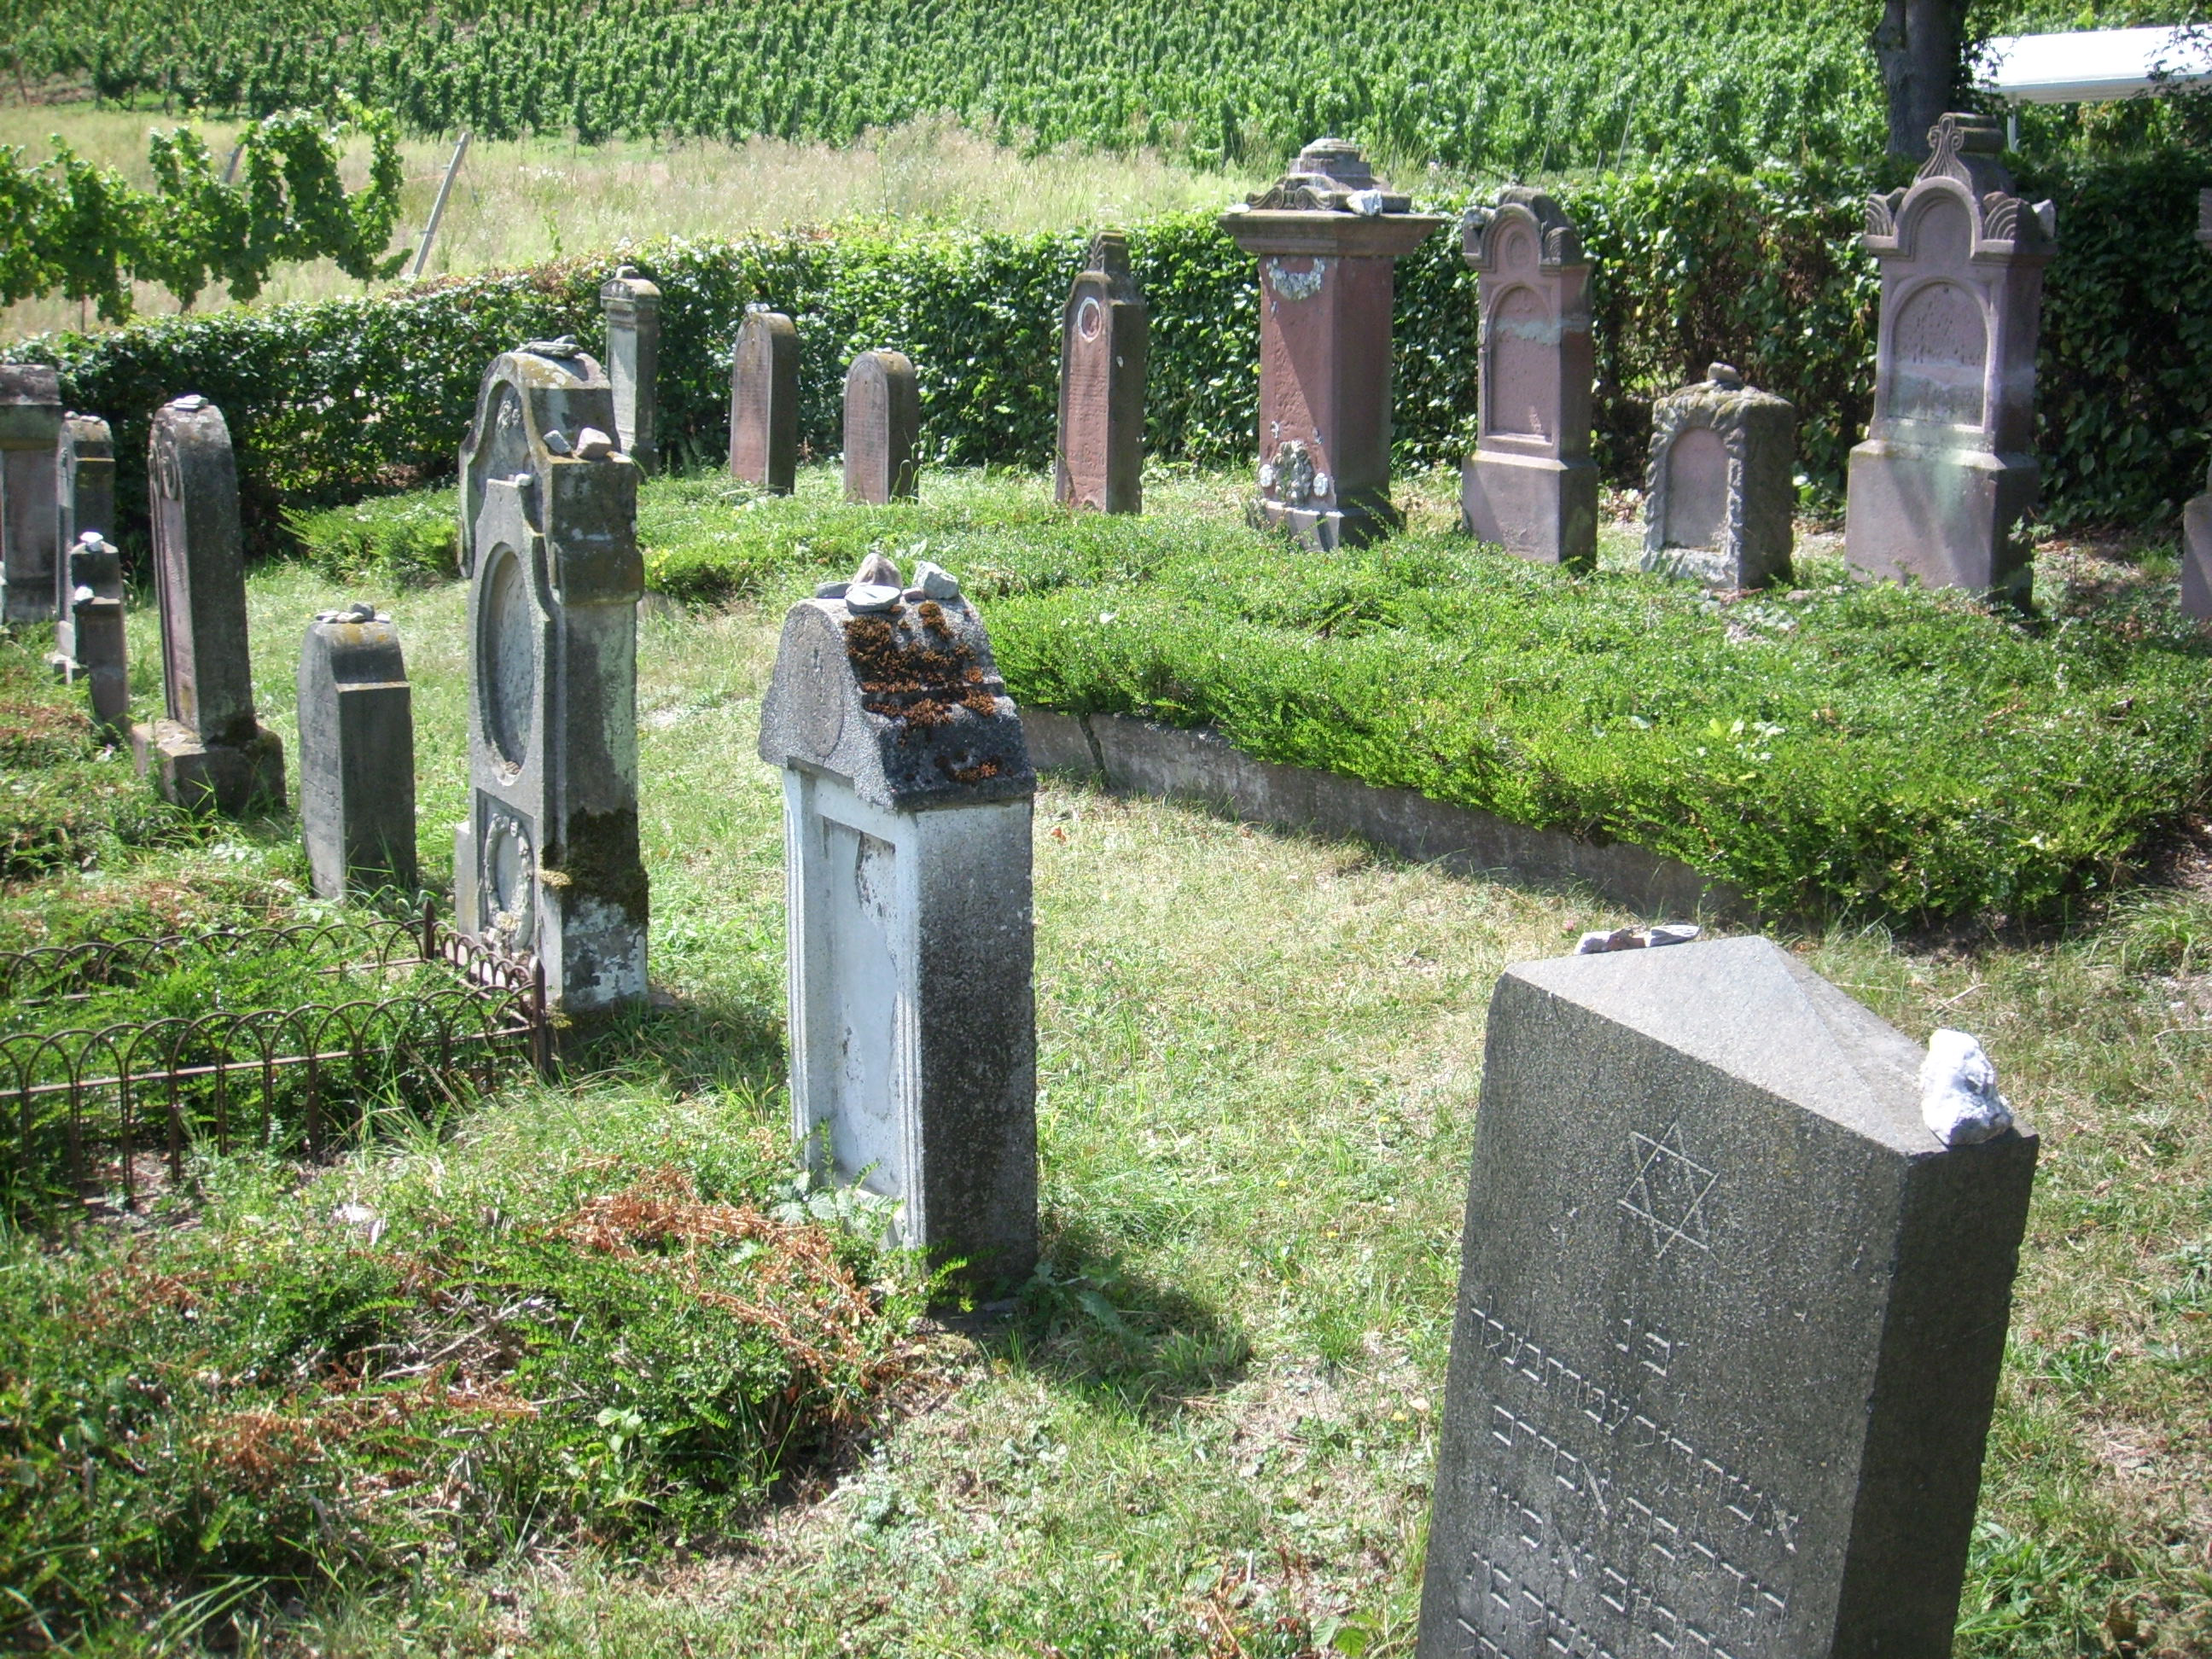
(1721, 485)
(907, 792)
(1948, 466)
(1326, 234)
(546, 860)
(882, 427)
(356, 754)
(632, 306)
(1104, 342)
(211, 751)
(2197, 513)
(98, 655)
(1530, 486)
(764, 402)
(1729, 1321)
(84, 504)
(30, 426)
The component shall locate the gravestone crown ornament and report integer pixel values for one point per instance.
(1530, 486)
(547, 859)
(907, 794)
(1104, 344)
(1947, 468)
(1325, 234)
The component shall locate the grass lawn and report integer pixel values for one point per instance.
(1208, 1426)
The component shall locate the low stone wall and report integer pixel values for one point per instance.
(1144, 758)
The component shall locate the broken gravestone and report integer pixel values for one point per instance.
(30, 424)
(99, 655)
(1327, 233)
(1721, 486)
(2197, 513)
(356, 754)
(883, 427)
(212, 750)
(1104, 342)
(632, 306)
(907, 793)
(547, 859)
(1733, 1300)
(764, 402)
(1948, 466)
(1530, 486)
(84, 504)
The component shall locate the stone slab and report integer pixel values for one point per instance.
(1104, 347)
(356, 754)
(632, 306)
(1728, 1328)
(1144, 757)
(1535, 506)
(1946, 517)
(235, 778)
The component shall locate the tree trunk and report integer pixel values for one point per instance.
(1917, 44)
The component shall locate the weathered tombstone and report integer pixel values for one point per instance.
(546, 860)
(2197, 513)
(1947, 468)
(1530, 486)
(98, 652)
(1104, 340)
(1721, 485)
(632, 306)
(211, 751)
(1326, 234)
(1729, 1321)
(30, 424)
(907, 791)
(356, 754)
(883, 427)
(84, 504)
(764, 402)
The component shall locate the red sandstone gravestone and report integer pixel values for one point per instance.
(764, 402)
(1947, 468)
(1104, 335)
(1530, 486)
(1720, 482)
(1326, 234)
(883, 425)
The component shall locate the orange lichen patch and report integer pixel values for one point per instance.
(975, 774)
(905, 677)
(980, 703)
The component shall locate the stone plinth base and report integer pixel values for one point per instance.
(1944, 515)
(229, 779)
(2196, 555)
(1533, 507)
(1352, 523)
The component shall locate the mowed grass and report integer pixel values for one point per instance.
(1208, 1427)
(523, 202)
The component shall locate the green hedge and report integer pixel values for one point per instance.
(332, 401)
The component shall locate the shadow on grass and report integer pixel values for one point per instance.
(692, 1044)
(1087, 1317)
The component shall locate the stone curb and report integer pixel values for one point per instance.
(1144, 757)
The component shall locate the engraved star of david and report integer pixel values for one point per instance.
(1669, 1191)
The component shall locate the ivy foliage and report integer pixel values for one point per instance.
(333, 401)
(87, 233)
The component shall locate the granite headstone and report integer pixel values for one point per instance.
(99, 651)
(1327, 233)
(632, 306)
(906, 796)
(883, 427)
(30, 426)
(1104, 340)
(1530, 486)
(546, 860)
(211, 750)
(84, 504)
(1721, 485)
(1948, 464)
(764, 402)
(1729, 1323)
(356, 754)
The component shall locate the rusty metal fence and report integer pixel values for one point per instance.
(444, 1014)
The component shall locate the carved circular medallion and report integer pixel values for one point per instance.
(1090, 318)
(509, 878)
(507, 656)
(820, 685)
(169, 475)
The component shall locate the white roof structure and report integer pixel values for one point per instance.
(2093, 65)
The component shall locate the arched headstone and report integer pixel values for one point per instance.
(1948, 466)
(1721, 485)
(764, 402)
(1105, 339)
(1530, 486)
(547, 859)
(882, 427)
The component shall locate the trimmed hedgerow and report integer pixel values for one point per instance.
(332, 401)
